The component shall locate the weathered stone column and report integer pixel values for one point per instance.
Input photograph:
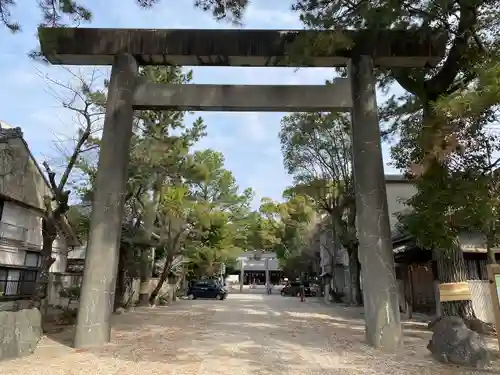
(242, 274)
(382, 319)
(101, 259)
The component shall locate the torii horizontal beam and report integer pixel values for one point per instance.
(91, 46)
(335, 97)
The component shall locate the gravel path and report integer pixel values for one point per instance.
(252, 334)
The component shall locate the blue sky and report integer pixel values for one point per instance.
(249, 141)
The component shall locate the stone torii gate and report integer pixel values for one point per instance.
(126, 49)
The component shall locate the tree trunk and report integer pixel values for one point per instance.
(172, 283)
(161, 281)
(450, 262)
(146, 273)
(148, 255)
(354, 280)
(121, 279)
(333, 251)
(332, 285)
(359, 291)
(490, 243)
(177, 284)
(49, 235)
(39, 299)
(451, 269)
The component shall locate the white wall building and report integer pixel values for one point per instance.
(398, 191)
(258, 266)
(23, 187)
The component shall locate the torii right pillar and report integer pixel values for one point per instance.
(382, 318)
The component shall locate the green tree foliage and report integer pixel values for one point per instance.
(426, 140)
(160, 161)
(211, 244)
(218, 230)
(470, 41)
(217, 186)
(464, 190)
(317, 152)
(479, 98)
(261, 232)
(474, 164)
(63, 12)
(79, 219)
(291, 224)
(180, 204)
(54, 13)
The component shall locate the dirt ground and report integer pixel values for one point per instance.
(248, 333)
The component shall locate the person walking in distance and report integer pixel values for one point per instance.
(302, 292)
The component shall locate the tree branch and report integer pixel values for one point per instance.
(451, 67)
(52, 179)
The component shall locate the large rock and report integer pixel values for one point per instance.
(20, 332)
(453, 342)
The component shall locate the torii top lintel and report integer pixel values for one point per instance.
(92, 46)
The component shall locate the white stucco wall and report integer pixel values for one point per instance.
(397, 194)
(22, 219)
(11, 255)
(21, 230)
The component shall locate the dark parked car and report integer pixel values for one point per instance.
(293, 289)
(206, 289)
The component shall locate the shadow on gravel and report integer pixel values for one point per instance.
(261, 335)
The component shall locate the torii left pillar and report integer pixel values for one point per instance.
(101, 259)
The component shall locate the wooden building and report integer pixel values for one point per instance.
(417, 277)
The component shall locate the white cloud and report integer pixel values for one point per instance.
(20, 78)
(217, 143)
(255, 130)
(254, 127)
(268, 183)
